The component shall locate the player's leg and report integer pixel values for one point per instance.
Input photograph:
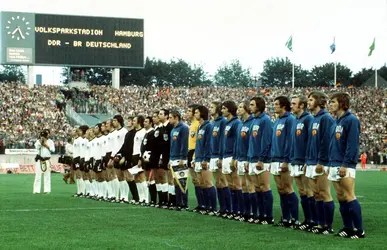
(267, 199)
(238, 176)
(305, 193)
(347, 229)
(354, 209)
(164, 187)
(276, 172)
(290, 200)
(246, 196)
(209, 192)
(325, 205)
(171, 190)
(38, 178)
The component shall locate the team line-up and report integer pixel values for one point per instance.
(229, 151)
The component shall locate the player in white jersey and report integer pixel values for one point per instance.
(110, 173)
(77, 159)
(138, 124)
(105, 159)
(117, 142)
(98, 154)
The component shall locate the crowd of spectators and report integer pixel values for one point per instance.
(24, 111)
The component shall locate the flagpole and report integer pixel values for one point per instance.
(376, 78)
(293, 75)
(334, 74)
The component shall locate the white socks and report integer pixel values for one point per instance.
(146, 191)
(140, 192)
(171, 190)
(116, 188)
(124, 190)
(104, 189)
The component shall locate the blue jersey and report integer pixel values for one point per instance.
(203, 142)
(300, 141)
(282, 138)
(344, 146)
(242, 146)
(217, 137)
(260, 139)
(179, 142)
(230, 137)
(319, 139)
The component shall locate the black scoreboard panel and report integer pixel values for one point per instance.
(89, 41)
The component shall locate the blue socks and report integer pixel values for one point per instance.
(227, 199)
(305, 207)
(313, 209)
(268, 203)
(285, 207)
(320, 213)
(199, 197)
(329, 209)
(220, 199)
(345, 215)
(254, 204)
(179, 200)
(355, 213)
(261, 204)
(240, 202)
(212, 198)
(293, 205)
(246, 199)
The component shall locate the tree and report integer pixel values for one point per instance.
(362, 76)
(383, 72)
(324, 75)
(233, 75)
(12, 73)
(278, 72)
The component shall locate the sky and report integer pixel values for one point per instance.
(214, 32)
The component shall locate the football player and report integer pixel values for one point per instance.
(343, 156)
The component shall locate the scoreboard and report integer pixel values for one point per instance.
(46, 39)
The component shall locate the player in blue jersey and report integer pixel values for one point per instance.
(300, 144)
(259, 155)
(218, 125)
(229, 109)
(282, 141)
(343, 156)
(241, 162)
(202, 159)
(318, 159)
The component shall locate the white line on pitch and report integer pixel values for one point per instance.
(68, 209)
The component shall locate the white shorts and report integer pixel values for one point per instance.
(297, 170)
(198, 167)
(253, 168)
(311, 171)
(226, 165)
(214, 165)
(241, 167)
(334, 173)
(275, 168)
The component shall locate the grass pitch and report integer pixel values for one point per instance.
(58, 221)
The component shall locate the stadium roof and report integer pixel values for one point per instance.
(371, 82)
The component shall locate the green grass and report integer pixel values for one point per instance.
(58, 221)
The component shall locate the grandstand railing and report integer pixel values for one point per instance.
(73, 117)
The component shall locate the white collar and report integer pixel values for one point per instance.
(166, 123)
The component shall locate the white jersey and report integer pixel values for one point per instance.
(104, 144)
(98, 148)
(69, 148)
(110, 142)
(118, 139)
(83, 148)
(138, 138)
(43, 151)
(77, 147)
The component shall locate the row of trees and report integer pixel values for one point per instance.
(276, 72)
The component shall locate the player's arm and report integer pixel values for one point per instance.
(222, 125)
(266, 137)
(51, 146)
(325, 137)
(38, 145)
(207, 144)
(288, 139)
(352, 148)
(184, 142)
